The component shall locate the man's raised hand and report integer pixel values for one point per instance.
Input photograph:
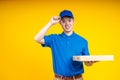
(54, 20)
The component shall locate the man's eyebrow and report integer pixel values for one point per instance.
(62, 19)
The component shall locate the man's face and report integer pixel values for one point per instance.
(67, 24)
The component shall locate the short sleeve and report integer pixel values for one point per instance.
(48, 40)
(85, 49)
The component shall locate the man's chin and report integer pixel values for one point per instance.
(67, 31)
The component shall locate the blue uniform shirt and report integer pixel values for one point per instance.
(63, 49)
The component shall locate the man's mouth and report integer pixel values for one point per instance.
(67, 27)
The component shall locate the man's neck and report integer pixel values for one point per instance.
(68, 33)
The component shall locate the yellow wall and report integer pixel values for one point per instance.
(21, 58)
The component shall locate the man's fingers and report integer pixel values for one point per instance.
(96, 61)
(88, 63)
(59, 17)
(56, 18)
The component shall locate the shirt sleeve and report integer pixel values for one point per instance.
(85, 49)
(48, 40)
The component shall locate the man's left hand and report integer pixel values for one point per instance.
(89, 63)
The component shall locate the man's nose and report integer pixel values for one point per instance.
(67, 23)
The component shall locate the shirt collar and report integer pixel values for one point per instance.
(66, 36)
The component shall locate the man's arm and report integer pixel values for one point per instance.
(40, 36)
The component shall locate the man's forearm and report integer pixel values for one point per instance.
(40, 36)
(42, 32)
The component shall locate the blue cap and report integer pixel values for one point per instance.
(65, 13)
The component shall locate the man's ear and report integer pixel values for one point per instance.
(73, 20)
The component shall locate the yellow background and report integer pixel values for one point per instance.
(21, 58)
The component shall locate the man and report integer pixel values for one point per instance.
(64, 46)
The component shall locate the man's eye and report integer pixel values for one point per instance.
(70, 20)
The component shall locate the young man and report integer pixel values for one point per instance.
(64, 46)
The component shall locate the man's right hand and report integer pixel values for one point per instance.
(40, 36)
(54, 20)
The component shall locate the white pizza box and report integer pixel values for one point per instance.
(94, 58)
